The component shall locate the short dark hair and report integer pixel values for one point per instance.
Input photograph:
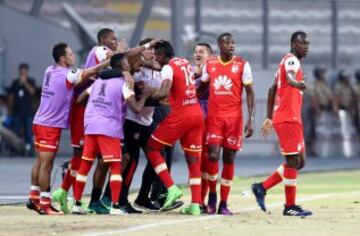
(145, 41)
(297, 34)
(116, 59)
(103, 32)
(209, 48)
(226, 34)
(23, 66)
(166, 47)
(58, 51)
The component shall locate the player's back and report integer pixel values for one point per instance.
(104, 111)
(288, 100)
(182, 97)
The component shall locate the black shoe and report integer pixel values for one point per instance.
(296, 211)
(128, 208)
(259, 192)
(146, 205)
(175, 205)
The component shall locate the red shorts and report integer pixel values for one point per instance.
(77, 113)
(291, 137)
(225, 131)
(46, 138)
(188, 130)
(109, 148)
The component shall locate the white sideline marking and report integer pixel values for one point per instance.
(204, 218)
(13, 197)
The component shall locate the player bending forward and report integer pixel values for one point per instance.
(104, 129)
(284, 114)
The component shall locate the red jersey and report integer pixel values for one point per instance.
(226, 85)
(288, 100)
(182, 96)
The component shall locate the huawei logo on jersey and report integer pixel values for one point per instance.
(225, 82)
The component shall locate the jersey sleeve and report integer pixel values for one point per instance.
(204, 75)
(101, 53)
(127, 91)
(73, 77)
(247, 78)
(167, 72)
(292, 64)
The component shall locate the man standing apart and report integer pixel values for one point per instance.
(284, 114)
(228, 75)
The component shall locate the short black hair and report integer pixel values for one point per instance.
(145, 41)
(24, 66)
(103, 32)
(226, 34)
(59, 50)
(116, 59)
(297, 34)
(166, 47)
(206, 45)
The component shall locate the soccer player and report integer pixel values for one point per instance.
(107, 44)
(137, 130)
(284, 115)
(184, 123)
(103, 128)
(227, 75)
(51, 117)
(202, 52)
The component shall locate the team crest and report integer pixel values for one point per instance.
(235, 68)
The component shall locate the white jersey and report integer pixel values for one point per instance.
(153, 79)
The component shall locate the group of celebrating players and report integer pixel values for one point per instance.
(109, 107)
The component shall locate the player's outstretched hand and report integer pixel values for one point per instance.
(249, 130)
(266, 128)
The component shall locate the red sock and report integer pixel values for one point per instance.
(275, 178)
(204, 176)
(70, 175)
(160, 167)
(81, 177)
(212, 169)
(195, 182)
(290, 175)
(34, 193)
(227, 176)
(115, 181)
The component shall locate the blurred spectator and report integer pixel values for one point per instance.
(357, 91)
(7, 137)
(344, 93)
(321, 101)
(5, 120)
(21, 93)
(321, 95)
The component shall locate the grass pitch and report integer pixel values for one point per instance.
(334, 197)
